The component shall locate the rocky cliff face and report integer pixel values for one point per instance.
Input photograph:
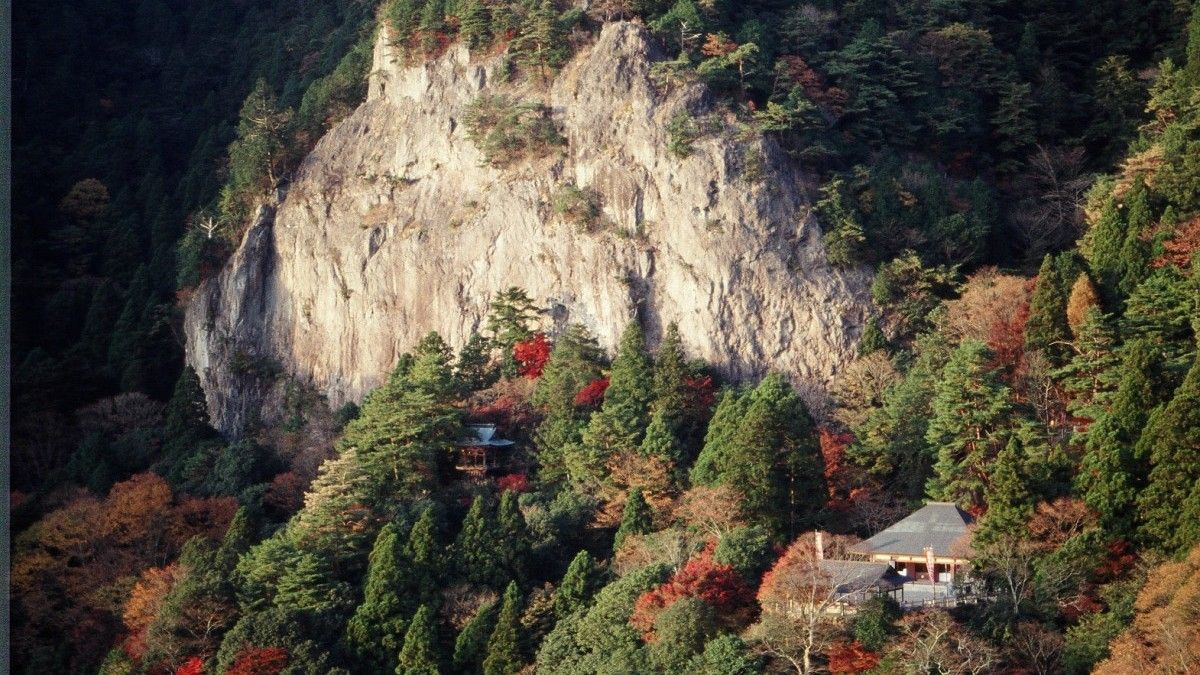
(394, 226)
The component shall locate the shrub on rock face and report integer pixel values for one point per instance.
(507, 131)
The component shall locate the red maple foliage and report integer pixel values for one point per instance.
(701, 577)
(592, 394)
(513, 482)
(701, 394)
(1006, 339)
(531, 355)
(833, 449)
(193, 666)
(851, 657)
(259, 661)
(286, 493)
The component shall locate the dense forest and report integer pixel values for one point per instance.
(1022, 178)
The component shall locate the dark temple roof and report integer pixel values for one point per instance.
(855, 575)
(941, 525)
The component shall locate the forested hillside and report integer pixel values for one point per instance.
(1022, 179)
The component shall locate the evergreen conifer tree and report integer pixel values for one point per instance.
(574, 363)
(1091, 377)
(419, 655)
(1046, 329)
(970, 408)
(404, 16)
(1172, 442)
(1111, 474)
(511, 530)
(1135, 249)
(477, 548)
(621, 422)
(373, 632)
(1102, 245)
(424, 558)
(541, 42)
(1009, 502)
(511, 319)
(635, 519)
(576, 587)
(474, 370)
(503, 649)
(474, 23)
(470, 647)
(770, 456)
(433, 25)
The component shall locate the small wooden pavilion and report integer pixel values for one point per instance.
(481, 452)
(931, 544)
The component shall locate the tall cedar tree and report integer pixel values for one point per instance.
(635, 519)
(574, 363)
(1112, 473)
(575, 589)
(419, 656)
(504, 646)
(470, 647)
(513, 538)
(1046, 329)
(663, 435)
(1091, 377)
(621, 422)
(1168, 506)
(1009, 502)
(477, 548)
(970, 409)
(473, 369)
(769, 454)
(424, 558)
(373, 633)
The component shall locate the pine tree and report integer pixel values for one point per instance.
(474, 25)
(470, 647)
(541, 43)
(621, 422)
(511, 320)
(731, 407)
(1009, 502)
(576, 587)
(1161, 312)
(503, 649)
(670, 399)
(1046, 329)
(635, 519)
(970, 408)
(1191, 67)
(474, 370)
(373, 633)
(419, 655)
(873, 339)
(1111, 474)
(511, 530)
(476, 550)
(1172, 442)
(404, 16)
(433, 26)
(424, 558)
(661, 439)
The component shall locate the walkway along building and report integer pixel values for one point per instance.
(931, 544)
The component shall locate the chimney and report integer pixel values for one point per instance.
(820, 545)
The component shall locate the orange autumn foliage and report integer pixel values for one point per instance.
(145, 600)
(1165, 635)
(847, 658)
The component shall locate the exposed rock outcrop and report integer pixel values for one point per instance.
(394, 227)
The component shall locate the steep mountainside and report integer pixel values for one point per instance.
(396, 225)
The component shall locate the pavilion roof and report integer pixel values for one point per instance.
(940, 525)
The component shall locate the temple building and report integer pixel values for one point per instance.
(932, 544)
(481, 453)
